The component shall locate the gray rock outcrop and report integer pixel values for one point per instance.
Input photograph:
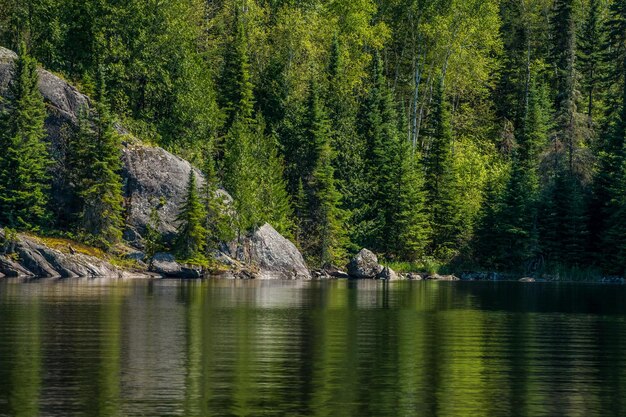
(269, 255)
(152, 177)
(31, 258)
(364, 265)
(165, 265)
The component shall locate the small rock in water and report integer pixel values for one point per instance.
(527, 279)
(437, 277)
(414, 277)
(388, 274)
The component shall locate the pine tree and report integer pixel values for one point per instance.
(95, 155)
(409, 229)
(590, 56)
(442, 196)
(609, 181)
(348, 146)
(511, 87)
(237, 91)
(24, 181)
(517, 223)
(217, 220)
(563, 49)
(275, 200)
(375, 132)
(191, 236)
(325, 238)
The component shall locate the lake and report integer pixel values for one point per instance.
(92, 347)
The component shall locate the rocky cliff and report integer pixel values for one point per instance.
(153, 178)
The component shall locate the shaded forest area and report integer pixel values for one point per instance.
(475, 133)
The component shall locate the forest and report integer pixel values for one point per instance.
(474, 134)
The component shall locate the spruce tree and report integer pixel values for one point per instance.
(24, 181)
(609, 181)
(217, 220)
(409, 229)
(590, 57)
(191, 234)
(442, 196)
(237, 97)
(95, 155)
(348, 146)
(324, 239)
(375, 132)
(517, 227)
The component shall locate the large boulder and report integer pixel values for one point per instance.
(364, 265)
(269, 255)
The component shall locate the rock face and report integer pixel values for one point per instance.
(152, 176)
(268, 255)
(165, 264)
(31, 258)
(364, 265)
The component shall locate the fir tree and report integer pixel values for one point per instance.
(590, 56)
(237, 97)
(409, 228)
(377, 127)
(95, 155)
(24, 181)
(325, 237)
(348, 146)
(191, 234)
(440, 185)
(217, 220)
(609, 181)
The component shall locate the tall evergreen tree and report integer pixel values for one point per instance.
(609, 180)
(442, 196)
(95, 157)
(348, 146)
(590, 56)
(191, 234)
(237, 91)
(324, 237)
(24, 181)
(217, 220)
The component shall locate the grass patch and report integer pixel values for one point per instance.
(116, 258)
(427, 265)
(63, 245)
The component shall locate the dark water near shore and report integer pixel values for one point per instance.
(169, 348)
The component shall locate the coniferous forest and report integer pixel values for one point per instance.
(478, 134)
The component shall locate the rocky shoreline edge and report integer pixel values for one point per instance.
(263, 255)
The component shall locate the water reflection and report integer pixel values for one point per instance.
(131, 348)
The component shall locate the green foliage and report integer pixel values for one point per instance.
(191, 235)
(322, 232)
(153, 239)
(217, 221)
(492, 133)
(24, 180)
(442, 195)
(94, 156)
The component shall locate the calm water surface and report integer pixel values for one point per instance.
(224, 348)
